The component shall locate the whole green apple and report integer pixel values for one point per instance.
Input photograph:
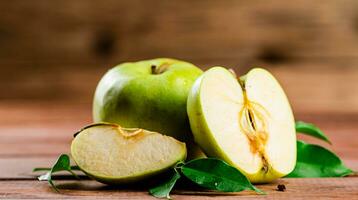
(150, 94)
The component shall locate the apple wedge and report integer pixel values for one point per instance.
(111, 154)
(247, 122)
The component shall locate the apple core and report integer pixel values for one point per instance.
(253, 125)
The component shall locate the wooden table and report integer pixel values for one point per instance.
(33, 135)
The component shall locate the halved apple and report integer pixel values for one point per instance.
(111, 154)
(247, 122)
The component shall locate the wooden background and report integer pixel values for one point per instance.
(53, 53)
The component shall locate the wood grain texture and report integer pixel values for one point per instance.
(38, 140)
(47, 129)
(33, 136)
(83, 31)
(59, 52)
(329, 188)
(311, 88)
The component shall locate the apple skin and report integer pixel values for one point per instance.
(204, 137)
(132, 96)
(198, 124)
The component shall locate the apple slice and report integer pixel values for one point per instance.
(247, 122)
(111, 154)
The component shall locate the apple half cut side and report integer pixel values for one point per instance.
(111, 154)
(247, 122)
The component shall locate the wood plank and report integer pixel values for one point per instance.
(38, 142)
(35, 141)
(47, 128)
(49, 53)
(52, 137)
(311, 87)
(20, 168)
(328, 188)
(88, 32)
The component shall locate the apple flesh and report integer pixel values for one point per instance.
(111, 154)
(247, 122)
(150, 94)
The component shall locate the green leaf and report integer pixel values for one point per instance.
(163, 190)
(62, 164)
(215, 174)
(316, 161)
(312, 130)
(38, 169)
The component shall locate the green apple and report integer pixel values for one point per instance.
(149, 94)
(247, 122)
(113, 155)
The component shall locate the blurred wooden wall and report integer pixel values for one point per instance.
(54, 52)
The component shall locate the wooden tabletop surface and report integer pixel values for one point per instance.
(33, 136)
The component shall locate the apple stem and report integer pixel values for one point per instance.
(159, 69)
(153, 67)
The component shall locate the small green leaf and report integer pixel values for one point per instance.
(316, 161)
(215, 174)
(38, 169)
(163, 190)
(62, 164)
(312, 130)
